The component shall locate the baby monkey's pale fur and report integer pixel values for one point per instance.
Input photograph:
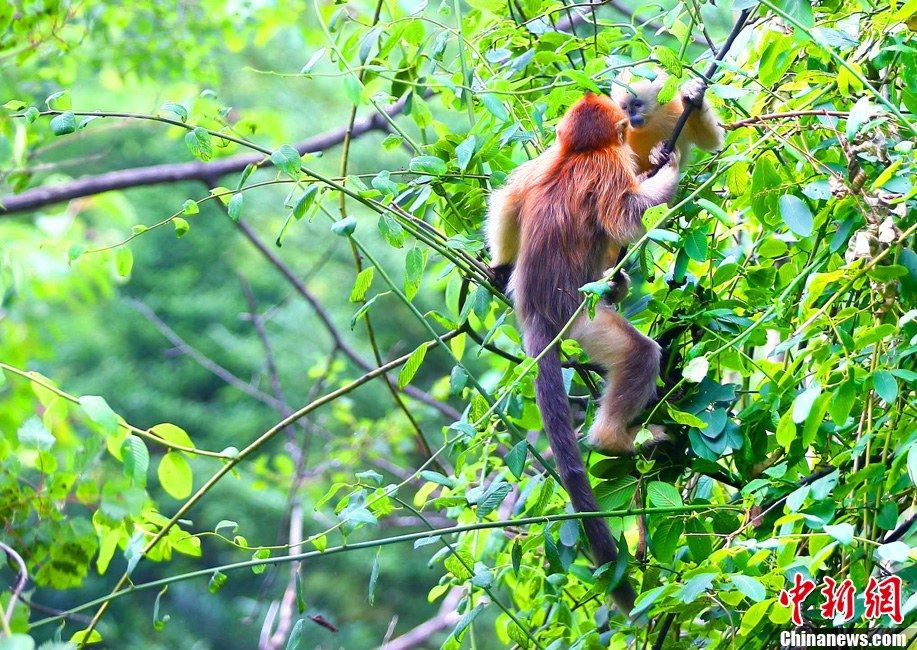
(652, 122)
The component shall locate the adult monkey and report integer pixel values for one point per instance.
(556, 219)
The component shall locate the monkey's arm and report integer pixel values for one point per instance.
(646, 193)
(503, 232)
(703, 127)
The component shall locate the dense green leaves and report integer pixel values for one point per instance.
(780, 282)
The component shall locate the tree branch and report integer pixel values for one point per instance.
(329, 325)
(204, 361)
(176, 172)
(21, 579)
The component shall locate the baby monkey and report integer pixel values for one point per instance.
(652, 122)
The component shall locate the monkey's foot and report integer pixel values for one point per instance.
(618, 287)
(501, 276)
(611, 440)
(692, 92)
(659, 440)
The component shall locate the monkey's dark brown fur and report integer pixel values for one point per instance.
(556, 219)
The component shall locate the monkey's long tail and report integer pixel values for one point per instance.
(555, 414)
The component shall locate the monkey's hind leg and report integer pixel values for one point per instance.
(632, 363)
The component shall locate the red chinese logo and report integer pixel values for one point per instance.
(838, 600)
(881, 598)
(801, 588)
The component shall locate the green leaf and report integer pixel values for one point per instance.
(885, 385)
(178, 109)
(136, 459)
(295, 640)
(428, 165)
(98, 410)
(414, 263)
(912, 463)
(749, 586)
(175, 475)
(492, 499)
(181, 227)
(804, 401)
(668, 59)
(190, 207)
(786, 430)
(616, 494)
(696, 244)
(362, 283)
(685, 418)
(234, 209)
(373, 578)
(173, 434)
(494, 106)
(753, 616)
(391, 230)
(199, 143)
(515, 458)
(82, 638)
(344, 227)
(411, 366)
(124, 262)
(217, 580)
(765, 182)
(383, 182)
(796, 215)
(287, 160)
(465, 151)
(663, 495)
(696, 369)
(841, 532)
(64, 123)
(664, 538)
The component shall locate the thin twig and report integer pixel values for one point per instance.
(186, 349)
(21, 579)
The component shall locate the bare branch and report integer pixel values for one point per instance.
(204, 361)
(207, 172)
(329, 325)
(22, 578)
(445, 618)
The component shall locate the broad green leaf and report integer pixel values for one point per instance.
(361, 284)
(749, 586)
(796, 215)
(696, 369)
(411, 366)
(663, 495)
(287, 160)
(234, 208)
(98, 410)
(199, 143)
(428, 165)
(63, 124)
(175, 475)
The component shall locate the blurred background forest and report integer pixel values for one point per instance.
(207, 323)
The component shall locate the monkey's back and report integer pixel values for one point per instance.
(563, 239)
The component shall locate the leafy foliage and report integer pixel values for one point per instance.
(782, 282)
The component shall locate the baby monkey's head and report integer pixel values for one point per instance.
(594, 122)
(639, 100)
